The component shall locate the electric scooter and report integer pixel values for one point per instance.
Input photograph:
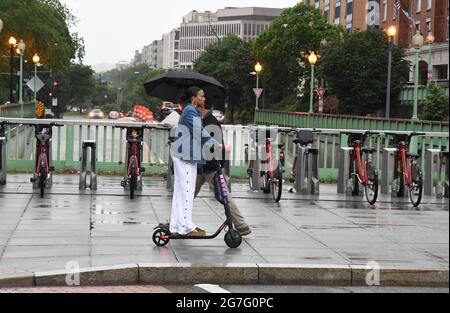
(233, 239)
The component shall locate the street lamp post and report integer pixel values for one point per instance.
(391, 36)
(258, 69)
(430, 40)
(1, 25)
(36, 60)
(12, 44)
(312, 60)
(21, 50)
(417, 42)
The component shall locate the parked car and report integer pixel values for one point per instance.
(167, 108)
(113, 115)
(219, 116)
(96, 114)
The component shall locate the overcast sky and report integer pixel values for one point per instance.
(114, 29)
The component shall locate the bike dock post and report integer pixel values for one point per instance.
(88, 144)
(432, 165)
(444, 190)
(309, 184)
(2, 159)
(387, 168)
(344, 169)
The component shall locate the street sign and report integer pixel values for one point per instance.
(35, 82)
(258, 92)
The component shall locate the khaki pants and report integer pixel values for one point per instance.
(236, 216)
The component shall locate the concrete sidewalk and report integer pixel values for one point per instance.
(106, 228)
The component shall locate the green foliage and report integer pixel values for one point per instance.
(355, 70)
(77, 86)
(44, 27)
(282, 48)
(230, 61)
(436, 104)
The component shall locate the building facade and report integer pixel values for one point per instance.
(200, 29)
(424, 16)
(170, 49)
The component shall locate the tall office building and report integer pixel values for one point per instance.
(200, 29)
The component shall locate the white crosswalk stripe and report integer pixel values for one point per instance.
(212, 288)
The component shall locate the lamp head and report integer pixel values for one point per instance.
(391, 31)
(21, 47)
(417, 40)
(12, 41)
(312, 58)
(258, 68)
(36, 59)
(430, 38)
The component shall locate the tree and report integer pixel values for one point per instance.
(44, 27)
(77, 86)
(355, 69)
(436, 104)
(282, 49)
(230, 61)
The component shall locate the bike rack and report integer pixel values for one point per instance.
(2, 160)
(311, 184)
(387, 168)
(88, 144)
(343, 179)
(432, 166)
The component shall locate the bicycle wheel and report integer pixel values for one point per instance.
(133, 179)
(265, 183)
(371, 187)
(399, 183)
(277, 184)
(42, 179)
(416, 188)
(354, 179)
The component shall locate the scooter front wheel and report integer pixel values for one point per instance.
(233, 239)
(161, 237)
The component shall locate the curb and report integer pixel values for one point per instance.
(222, 274)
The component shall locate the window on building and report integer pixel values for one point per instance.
(418, 26)
(316, 4)
(418, 5)
(326, 15)
(429, 3)
(428, 25)
(385, 10)
(337, 12)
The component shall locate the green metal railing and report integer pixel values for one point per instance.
(13, 110)
(407, 94)
(111, 146)
(328, 121)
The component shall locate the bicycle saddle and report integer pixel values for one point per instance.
(368, 150)
(43, 137)
(304, 137)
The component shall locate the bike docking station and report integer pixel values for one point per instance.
(2, 155)
(307, 180)
(344, 181)
(88, 144)
(435, 160)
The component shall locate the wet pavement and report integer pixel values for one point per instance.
(107, 228)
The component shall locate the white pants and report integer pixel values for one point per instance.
(183, 197)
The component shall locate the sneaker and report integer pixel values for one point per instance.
(244, 231)
(196, 233)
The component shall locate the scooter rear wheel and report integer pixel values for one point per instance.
(233, 239)
(159, 237)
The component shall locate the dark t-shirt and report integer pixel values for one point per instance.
(211, 166)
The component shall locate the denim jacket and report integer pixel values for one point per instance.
(191, 137)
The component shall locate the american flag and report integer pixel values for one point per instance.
(397, 8)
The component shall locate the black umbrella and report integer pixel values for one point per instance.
(171, 86)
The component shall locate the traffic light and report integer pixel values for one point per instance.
(55, 89)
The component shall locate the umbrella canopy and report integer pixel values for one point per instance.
(172, 85)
